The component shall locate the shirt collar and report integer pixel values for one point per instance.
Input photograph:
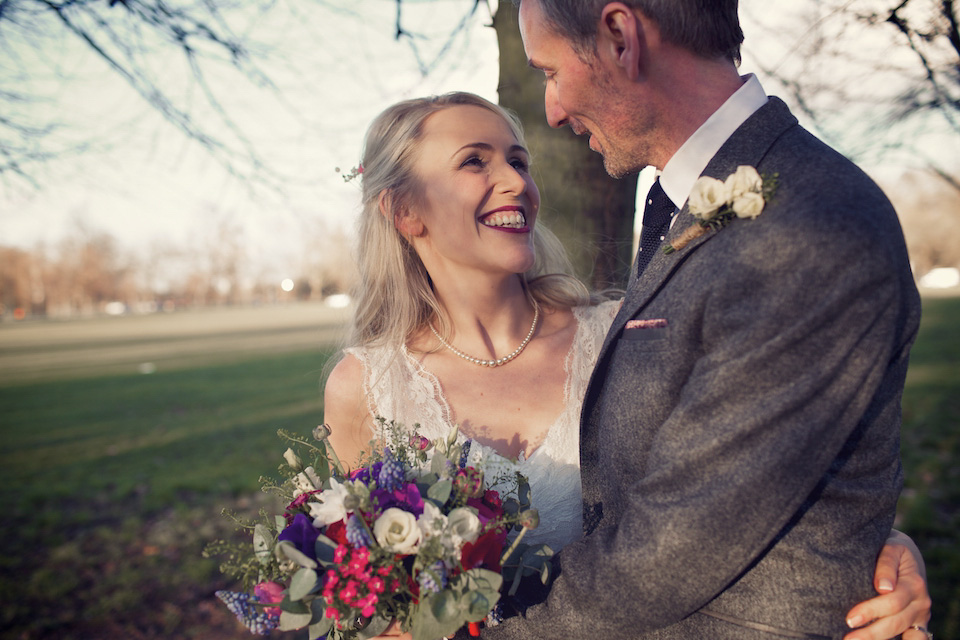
(686, 165)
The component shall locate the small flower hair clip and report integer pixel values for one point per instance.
(355, 172)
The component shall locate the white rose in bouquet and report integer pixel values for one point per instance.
(708, 195)
(396, 531)
(465, 524)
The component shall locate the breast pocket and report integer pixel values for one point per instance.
(646, 338)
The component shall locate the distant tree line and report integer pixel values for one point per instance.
(88, 274)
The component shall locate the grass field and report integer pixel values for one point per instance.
(114, 479)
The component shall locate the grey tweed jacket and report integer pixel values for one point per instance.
(740, 455)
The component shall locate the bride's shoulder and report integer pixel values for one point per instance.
(345, 379)
(603, 312)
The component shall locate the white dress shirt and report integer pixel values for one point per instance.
(686, 165)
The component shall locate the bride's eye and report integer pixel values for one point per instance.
(473, 161)
(520, 164)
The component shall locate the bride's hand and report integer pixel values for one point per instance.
(904, 601)
(394, 633)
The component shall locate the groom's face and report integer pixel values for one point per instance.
(579, 93)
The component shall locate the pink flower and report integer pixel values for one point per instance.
(269, 592)
(331, 612)
(340, 553)
(368, 604)
(349, 592)
(419, 443)
(375, 585)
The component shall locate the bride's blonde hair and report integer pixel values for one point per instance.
(394, 297)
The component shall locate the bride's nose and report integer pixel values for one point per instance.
(510, 180)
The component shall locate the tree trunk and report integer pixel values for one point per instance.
(591, 212)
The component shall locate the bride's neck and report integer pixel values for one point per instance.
(493, 311)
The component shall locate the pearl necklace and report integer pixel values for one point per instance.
(499, 361)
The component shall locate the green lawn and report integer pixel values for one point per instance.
(113, 484)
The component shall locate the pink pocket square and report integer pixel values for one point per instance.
(655, 323)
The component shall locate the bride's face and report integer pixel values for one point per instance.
(476, 201)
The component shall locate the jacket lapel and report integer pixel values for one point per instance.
(747, 146)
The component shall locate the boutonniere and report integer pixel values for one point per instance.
(716, 202)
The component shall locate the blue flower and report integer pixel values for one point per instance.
(253, 618)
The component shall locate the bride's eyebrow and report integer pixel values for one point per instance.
(485, 146)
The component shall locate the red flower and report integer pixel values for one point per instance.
(485, 552)
(337, 532)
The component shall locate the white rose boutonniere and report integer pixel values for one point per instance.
(708, 195)
(716, 202)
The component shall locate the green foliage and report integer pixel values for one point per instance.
(114, 486)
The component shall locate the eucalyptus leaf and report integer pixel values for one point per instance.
(428, 625)
(444, 606)
(320, 629)
(293, 621)
(287, 549)
(302, 583)
(262, 543)
(440, 492)
(318, 608)
(516, 582)
(293, 606)
(376, 626)
(324, 549)
(523, 492)
(480, 580)
(478, 606)
(535, 556)
(281, 522)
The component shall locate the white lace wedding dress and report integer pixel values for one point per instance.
(398, 388)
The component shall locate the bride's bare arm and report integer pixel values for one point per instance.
(345, 411)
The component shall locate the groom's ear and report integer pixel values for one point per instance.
(621, 38)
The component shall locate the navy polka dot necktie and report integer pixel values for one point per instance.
(656, 223)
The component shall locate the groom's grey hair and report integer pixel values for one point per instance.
(708, 28)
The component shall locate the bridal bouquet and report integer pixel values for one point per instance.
(414, 534)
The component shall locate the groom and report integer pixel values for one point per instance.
(740, 433)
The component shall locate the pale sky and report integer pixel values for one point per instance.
(335, 69)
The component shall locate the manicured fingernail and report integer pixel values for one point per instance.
(855, 621)
(885, 585)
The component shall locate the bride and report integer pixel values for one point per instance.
(466, 315)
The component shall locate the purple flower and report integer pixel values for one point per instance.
(302, 535)
(406, 497)
(365, 474)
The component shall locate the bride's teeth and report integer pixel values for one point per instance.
(497, 220)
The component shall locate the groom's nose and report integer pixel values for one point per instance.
(556, 116)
